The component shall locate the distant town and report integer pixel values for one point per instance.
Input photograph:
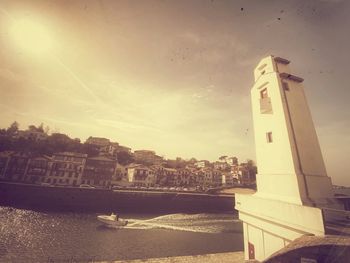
(35, 156)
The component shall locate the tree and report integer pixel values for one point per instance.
(223, 158)
(40, 128)
(125, 158)
(47, 129)
(192, 160)
(33, 128)
(234, 160)
(252, 169)
(13, 129)
(58, 142)
(5, 143)
(250, 163)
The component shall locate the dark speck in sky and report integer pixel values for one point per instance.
(279, 18)
(242, 8)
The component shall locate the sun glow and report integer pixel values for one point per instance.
(31, 36)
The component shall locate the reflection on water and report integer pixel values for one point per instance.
(27, 236)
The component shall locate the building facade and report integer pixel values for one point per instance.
(99, 171)
(140, 175)
(37, 169)
(32, 135)
(66, 169)
(202, 164)
(17, 166)
(4, 161)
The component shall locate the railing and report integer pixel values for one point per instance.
(336, 221)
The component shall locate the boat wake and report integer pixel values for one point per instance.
(200, 223)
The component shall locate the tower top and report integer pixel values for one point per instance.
(271, 64)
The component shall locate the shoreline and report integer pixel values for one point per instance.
(75, 199)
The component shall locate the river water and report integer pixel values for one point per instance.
(29, 236)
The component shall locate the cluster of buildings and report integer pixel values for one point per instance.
(104, 170)
(65, 169)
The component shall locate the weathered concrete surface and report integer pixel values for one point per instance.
(231, 257)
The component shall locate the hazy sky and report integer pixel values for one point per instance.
(175, 76)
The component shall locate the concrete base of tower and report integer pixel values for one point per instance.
(269, 225)
(319, 192)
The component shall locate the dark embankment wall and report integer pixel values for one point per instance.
(80, 199)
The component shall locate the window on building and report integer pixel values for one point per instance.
(265, 102)
(263, 72)
(285, 86)
(264, 94)
(61, 158)
(269, 137)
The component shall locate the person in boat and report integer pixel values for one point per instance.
(116, 216)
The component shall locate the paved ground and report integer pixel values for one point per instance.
(232, 257)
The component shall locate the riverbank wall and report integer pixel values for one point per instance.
(37, 197)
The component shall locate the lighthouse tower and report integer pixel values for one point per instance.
(292, 182)
(289, 158)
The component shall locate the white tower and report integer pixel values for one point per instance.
(289, 157)
(292, 183)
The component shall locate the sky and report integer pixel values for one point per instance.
(174, 76)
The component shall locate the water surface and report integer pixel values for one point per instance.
(28, 236)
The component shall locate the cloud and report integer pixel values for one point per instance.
(9, 75)
(126, 126)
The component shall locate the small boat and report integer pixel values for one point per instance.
(112, 220)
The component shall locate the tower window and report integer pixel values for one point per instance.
(269, 137)
(263, 93)
(265, 102)
(263, 72)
